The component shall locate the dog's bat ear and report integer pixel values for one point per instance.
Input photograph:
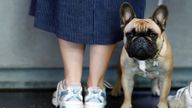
(160, 16)
(126, 13)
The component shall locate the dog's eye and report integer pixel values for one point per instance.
(153, 35)
(130, 35)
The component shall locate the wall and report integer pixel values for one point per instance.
(23, 46)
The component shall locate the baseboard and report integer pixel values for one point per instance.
(47, 78)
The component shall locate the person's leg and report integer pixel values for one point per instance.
(100, 56)
(72, 56)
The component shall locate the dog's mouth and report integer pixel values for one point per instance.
(143, 54)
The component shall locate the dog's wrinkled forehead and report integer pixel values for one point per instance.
(142, 25)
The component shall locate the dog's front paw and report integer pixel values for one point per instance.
(162, 105)
(156, 90)
(125, 105)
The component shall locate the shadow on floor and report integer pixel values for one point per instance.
(42, 99)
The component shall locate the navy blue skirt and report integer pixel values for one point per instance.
(82, 21)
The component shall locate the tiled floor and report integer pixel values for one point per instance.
(42, 99)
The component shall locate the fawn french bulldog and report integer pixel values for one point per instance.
(146, 52)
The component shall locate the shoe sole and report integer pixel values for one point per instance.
(94, 105)
(72, 105)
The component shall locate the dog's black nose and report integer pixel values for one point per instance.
(141, 43)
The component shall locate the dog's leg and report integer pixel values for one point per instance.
(127, 84)
(165, 86)
(155, 87)
(117, 87)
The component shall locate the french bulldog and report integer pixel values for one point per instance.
(146, 52)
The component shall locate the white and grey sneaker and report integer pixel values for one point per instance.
(67, 97)
(95, 98)
(182, 99)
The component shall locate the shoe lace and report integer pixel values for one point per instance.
(179, 96)
(108, 85)
(72, 94)
(180, 93)
(95, 95)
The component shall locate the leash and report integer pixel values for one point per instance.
(160, 2)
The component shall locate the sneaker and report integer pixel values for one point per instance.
(182, 99)
(67, 97)
(95, 98)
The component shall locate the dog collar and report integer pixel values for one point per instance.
(158, 52)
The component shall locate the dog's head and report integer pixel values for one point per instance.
(143, 38)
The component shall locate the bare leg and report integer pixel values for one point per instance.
(72, 56)
(100, 56)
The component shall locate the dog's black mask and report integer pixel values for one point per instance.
(141, 45)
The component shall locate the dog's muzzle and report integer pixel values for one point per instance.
(142, 48)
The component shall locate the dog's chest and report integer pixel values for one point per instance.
(148, 69)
